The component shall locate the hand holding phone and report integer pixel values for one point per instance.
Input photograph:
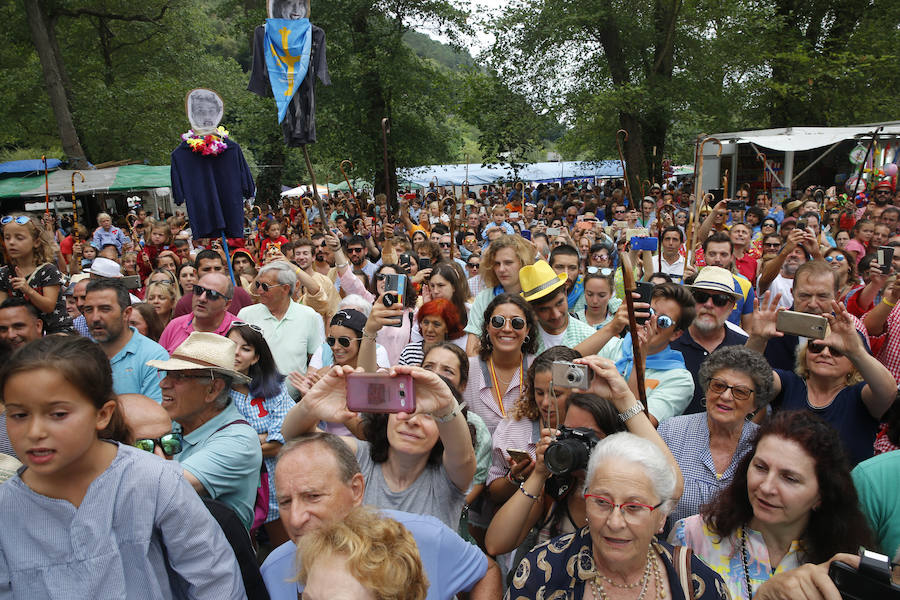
(380, 393)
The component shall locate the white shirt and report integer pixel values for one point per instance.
(784, 286)
(676, 268)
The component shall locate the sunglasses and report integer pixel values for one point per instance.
(256, 328)
(170, 444)
(775, 245)
(835, 257)
(719, 300)
(444, 244)
(499, 321)
(605, 271)
(213, 295)
(19, 220)
(663, 321)
(355, 250)
(819, 347)
(265, 286)
(473, 265)
(343, 340)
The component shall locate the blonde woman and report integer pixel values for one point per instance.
(162, 296)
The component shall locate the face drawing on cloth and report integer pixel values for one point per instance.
(288, 9)
(204, 110)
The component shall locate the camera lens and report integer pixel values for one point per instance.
(565, 456)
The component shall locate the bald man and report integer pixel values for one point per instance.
(146, 419)
(212, 293)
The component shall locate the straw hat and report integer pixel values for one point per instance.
(717, 280)
(538, 280)
(203, 350)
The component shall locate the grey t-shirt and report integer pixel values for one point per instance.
(431, 494)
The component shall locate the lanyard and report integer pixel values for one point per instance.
(495, 385)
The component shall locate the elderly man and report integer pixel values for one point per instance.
(220, 454)
(210, 261)
(107, 309)
(316, 291)
(710, 329)
(79, 289)
(210, 298)
(718, 251)
(293, 331)
(318, 481)
(20, 322)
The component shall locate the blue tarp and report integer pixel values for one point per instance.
(29, 166)
(533, 172)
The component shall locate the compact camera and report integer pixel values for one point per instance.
(571, 450)
(570, 375)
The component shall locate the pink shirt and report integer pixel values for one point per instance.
(180, 328)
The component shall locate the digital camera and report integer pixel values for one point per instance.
(571, 450)
(570, 375)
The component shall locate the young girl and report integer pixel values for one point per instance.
(90, 518)
(32, 273)
(88, 254)
(264, 403)
(600, 303)
(862, 234)
(273, 236)
(160, 239)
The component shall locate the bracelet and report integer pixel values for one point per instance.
(457, 410)
(512, 480)
(527, 495)
(631, 412)
(891, 304)
(341, 266)
(367, 336)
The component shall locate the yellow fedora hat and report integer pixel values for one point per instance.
(538, 280)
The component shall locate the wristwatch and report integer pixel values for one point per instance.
(449, 417)
(637, 408)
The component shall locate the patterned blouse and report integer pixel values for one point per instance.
(562, 568)
(724, 556)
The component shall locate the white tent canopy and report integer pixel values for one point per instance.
(481, 175)
(795, 139)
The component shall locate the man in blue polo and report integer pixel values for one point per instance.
(106, 310)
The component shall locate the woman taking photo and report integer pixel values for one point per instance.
(629, 488)
(438, 321)
(599, 302)
(737, 383)
(421, 462)
(501, 263)
(509, 335)
(791, 502)
(264, 402)
(836, 378)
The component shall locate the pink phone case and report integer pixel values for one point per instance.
(380, 393)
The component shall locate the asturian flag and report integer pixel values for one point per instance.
(287, 45)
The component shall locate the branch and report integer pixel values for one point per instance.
(90, 12)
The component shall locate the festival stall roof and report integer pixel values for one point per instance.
(112, 179)
(539, 172)
(786, 141)
(28, 166)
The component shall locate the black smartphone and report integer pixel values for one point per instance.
(645, 289)
(424, 263)
(718, 194)
(885, 259)
(736, 205)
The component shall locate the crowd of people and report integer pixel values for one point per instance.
(184, 418)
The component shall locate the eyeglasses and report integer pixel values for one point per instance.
(213, 295)
(355, 250)
(499, 322)
(19, 220)
(877, 192)
(600, 256)
(256, 328)
(178, 376)
(473, 265)
(618, 212)
(819, 348)
(264, 286)
(835, 257)
(772, 225)
(663, 321)
(170, 444)
(738, 392)
(444, 244)
(605, 271)
(343, 340)
(719, 300)
(632, 512)
(775, 245)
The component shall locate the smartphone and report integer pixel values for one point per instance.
(518, 455)
(424, 263)
(380, 393)
(801, 324)
(513, 215)
(645, 243)
(132, 282)
(636, 232)
(718, 194)
(645, 289)
(736, 205)
(553, 231)
(394, 292)
(885, 258)
(569, 375)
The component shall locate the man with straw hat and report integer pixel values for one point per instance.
(221, 453)
(545, 291)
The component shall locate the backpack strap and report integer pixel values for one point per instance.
(237, 422)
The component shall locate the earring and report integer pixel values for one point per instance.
(527, 338)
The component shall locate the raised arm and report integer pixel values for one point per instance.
(876, 318)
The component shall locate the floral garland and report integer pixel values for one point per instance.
(207, 145)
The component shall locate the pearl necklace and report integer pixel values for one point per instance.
(651, 568)
(745, 560)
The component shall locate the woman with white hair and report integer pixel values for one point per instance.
(629, 489)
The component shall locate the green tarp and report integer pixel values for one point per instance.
(129, 177)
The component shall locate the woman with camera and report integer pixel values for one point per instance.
(421, 462)
(737, 383)
(791, 502)
(552, 502)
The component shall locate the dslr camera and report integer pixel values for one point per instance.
(871, 580)
(571, 450)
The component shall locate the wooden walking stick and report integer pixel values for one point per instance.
(628, 281)
(75, 206)
(46, 186)
(315, 190)
(389, 204)
(624, 168)
(762, 157)
(353, 195)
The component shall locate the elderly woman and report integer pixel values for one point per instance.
(629, 489)
(737, 382)
(791, 502)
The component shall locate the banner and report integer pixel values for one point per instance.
(287, 44)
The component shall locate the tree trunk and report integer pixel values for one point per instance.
(53, 80)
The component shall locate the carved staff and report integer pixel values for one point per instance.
(624, 168)
(75, 206)
(359, 207)
(628, 281)
(315, 190)
(385, 130)
(762, 157)
(698, 180)
(47, 186)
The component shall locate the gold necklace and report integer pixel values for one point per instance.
(650, 568)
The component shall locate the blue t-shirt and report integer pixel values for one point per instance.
(846, 413)
(744, 305)
(451, 564)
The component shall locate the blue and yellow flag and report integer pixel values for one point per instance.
(287, 44)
